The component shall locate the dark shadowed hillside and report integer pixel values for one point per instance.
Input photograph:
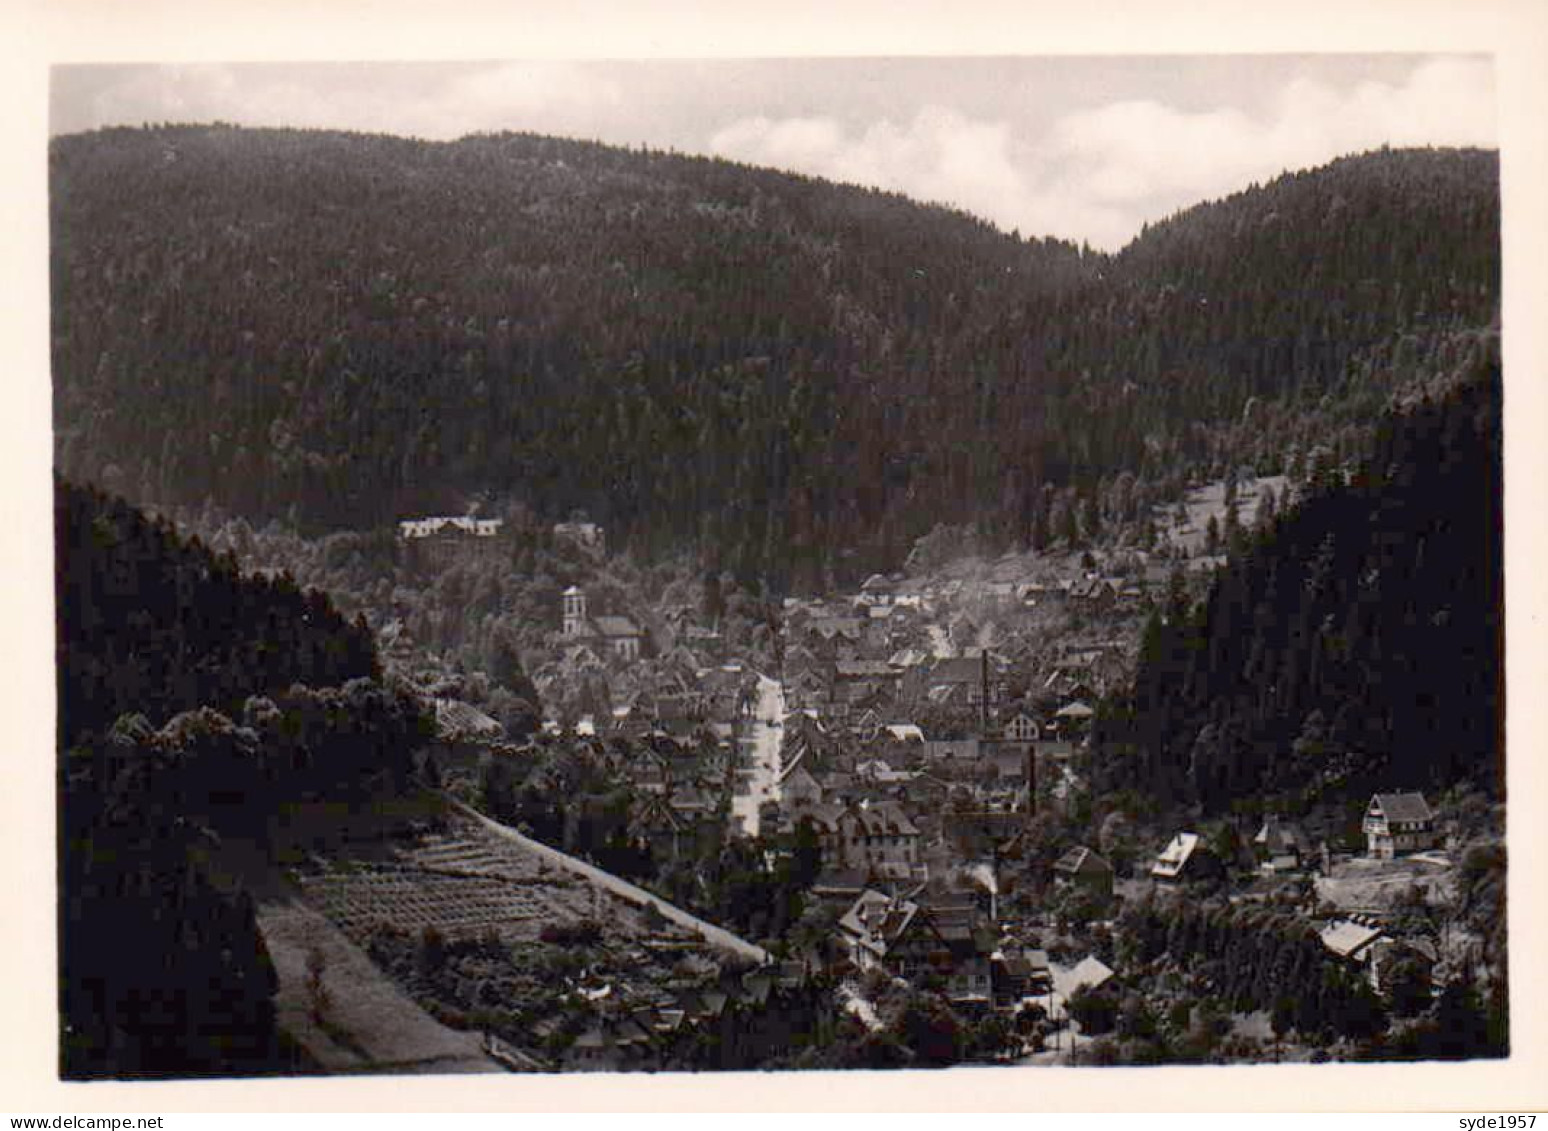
(793, 377)
(198, 711)
(1357, 645)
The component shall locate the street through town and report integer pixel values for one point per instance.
(759, 779)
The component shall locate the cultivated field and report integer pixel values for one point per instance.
(467, 884)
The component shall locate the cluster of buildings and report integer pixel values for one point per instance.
(724, 1023)
(437, 541)
(916, 929)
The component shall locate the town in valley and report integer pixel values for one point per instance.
(529, 605)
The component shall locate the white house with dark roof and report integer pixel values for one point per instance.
(1184, 858)
(1396, 823)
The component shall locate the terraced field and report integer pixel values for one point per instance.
(468, 883)
(465, 906)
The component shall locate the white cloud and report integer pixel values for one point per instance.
(1148, 159)
(939, 156)
(1098, 174)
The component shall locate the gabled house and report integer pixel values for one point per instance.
(1355, 941)
(878, 588)
(1185, 858)
(1083, 869)
(797, 788)
(876, 933)
(1090, 973)
(1280, 845)
(823, 633)
(1074, 718)
(1396, 823)
(653, 822)
(1096, 594)
(911, 941)
(1021, 727)
(878, 839)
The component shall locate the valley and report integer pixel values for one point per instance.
(735, 621)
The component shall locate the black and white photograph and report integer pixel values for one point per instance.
(851, 563)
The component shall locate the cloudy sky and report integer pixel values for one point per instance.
(1085, 148)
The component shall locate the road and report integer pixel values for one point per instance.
(717, 937)
(761, 783)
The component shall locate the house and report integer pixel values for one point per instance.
(618, 636)
(876, 933)
(878, 838)
(441, 540)
(909, 940)
(1007, 761)
(1185, 858)
(1084, 870)
(1398, 822)
(964, 680)
(865, 676)
(1354, 940)
(1018, 975)
(1021, 727)
(878, 772)
(823, 632)
(965, 750)
(655, 823)
(1090, 973)
(878, 588)
(961, 925)
(1281, 846)
(797, 788)
(1073, 717)
(1096, 594)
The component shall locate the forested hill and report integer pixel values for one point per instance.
(200, 712)
(798, 376)
(154, 625)
(1357, 645)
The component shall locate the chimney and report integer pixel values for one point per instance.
(983, 698)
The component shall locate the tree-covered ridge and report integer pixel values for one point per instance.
(187, 730)
(797, 375)
(1355, 646)
(151, 624)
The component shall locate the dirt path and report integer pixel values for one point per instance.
(368, 1024)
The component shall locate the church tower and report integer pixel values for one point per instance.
(574, 612)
